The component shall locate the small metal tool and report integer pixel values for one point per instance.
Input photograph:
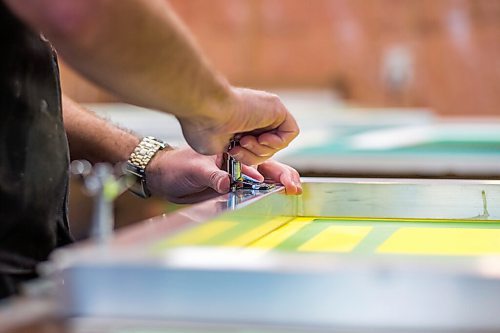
(104, 182)
(238, 179)
(233, 167)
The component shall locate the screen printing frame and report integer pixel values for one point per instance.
(122, 278)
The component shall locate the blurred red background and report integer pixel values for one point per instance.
(444, 54)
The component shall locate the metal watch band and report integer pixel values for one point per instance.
(139, 160)
(145, 151)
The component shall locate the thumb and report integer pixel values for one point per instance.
(217, 179)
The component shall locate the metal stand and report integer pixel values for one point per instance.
(104, 183)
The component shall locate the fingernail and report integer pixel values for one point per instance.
(219, 187)
(298, 186)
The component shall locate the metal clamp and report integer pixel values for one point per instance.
(238, 179)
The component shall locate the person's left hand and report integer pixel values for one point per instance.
(185, 176)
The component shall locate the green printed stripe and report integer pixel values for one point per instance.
(412, 223)
(374, 239)
(309, 231)
(244, 225)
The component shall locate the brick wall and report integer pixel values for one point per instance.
(439, 53)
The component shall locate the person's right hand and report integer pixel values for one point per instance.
(260, 119)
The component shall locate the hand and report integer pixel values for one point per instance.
(264, 123)
(185, 176)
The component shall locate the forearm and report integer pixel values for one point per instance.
(155, 62)
(93, 138)
(139, 50)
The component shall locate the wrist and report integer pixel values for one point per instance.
(139, 161)
(212, 104)
(161, 171)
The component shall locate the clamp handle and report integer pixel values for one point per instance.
(237, 179)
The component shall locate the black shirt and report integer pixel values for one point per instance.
(33, 150)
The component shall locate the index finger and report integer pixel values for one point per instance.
(280, 137)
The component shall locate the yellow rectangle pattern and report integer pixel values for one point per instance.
(200, 234)
(258, 232)
(278, 236)
(443, 241)
(336, 239)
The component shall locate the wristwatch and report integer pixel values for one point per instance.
(139, 160)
